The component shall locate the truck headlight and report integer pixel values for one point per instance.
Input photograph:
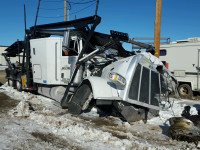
(116, 78)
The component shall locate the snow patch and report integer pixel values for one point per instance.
(23, 109)
(174, 111)
(114, 135)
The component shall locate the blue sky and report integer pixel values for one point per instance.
(180, 18)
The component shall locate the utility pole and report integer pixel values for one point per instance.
(65, 10)
(157, 27)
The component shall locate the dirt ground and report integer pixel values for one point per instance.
(3, 80)
(21, 133)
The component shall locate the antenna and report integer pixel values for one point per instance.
(25, 17)
(97, 7)
(37, 15)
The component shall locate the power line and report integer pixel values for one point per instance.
(82, 2)
(70, 13)
(83, 9)
(51, 8)
(69, 1)
(52, 1)
(61, 8)
(50, 17)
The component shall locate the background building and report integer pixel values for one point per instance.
(2, 59)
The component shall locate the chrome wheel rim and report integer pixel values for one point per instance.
(18, 85)
(184, 91)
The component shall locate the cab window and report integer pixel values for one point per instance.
(72, 50)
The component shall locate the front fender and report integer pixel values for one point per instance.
(103, 89)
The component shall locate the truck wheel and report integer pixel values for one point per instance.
(10, 82)
(19, 84)
(185, 91)
(80, 100)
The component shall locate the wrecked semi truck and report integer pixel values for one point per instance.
(81, 68)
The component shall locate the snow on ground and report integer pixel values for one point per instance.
(38, 122)
(3, 67)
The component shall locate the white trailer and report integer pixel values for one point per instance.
(182, 59)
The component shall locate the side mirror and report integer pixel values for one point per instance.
(66, 39)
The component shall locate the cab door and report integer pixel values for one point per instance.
(69, 59)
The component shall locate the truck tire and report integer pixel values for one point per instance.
(19, 84)
(185, 91)
(80, 100)
(11, 82)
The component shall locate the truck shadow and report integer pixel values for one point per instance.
(197, 106)
(165, 127)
